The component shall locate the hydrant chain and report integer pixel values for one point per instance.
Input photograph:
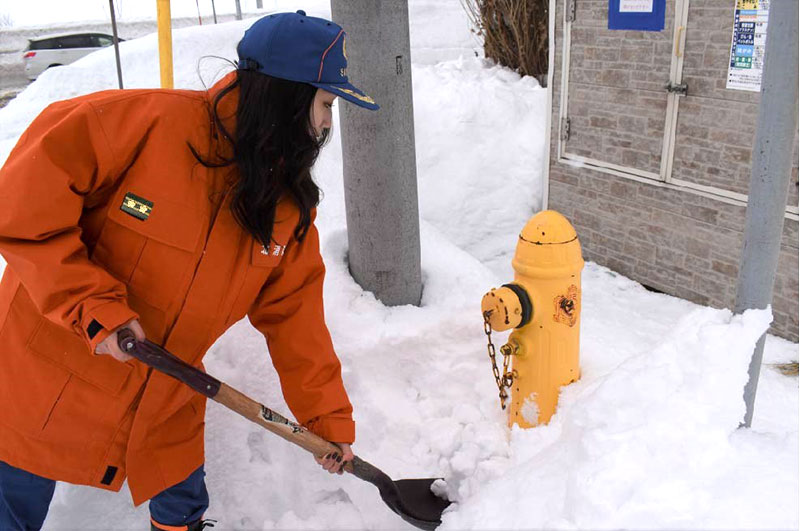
(505, 380)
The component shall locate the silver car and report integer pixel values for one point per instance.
(63, 49)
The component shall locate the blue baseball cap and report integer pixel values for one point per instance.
(300, 48)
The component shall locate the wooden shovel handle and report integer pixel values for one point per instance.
(276, 423)
(154, 356)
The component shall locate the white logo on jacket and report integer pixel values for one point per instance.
(277, 250)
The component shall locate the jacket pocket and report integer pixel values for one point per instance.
(30, 386)
(118, 250)
(55, 403)
(152, 254)
(168, 222)
(69, 351)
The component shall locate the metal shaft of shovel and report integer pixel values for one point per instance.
(411, 499)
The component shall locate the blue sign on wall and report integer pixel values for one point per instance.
(642, 15)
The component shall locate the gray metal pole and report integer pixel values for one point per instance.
(259, 4)
(380, 177)
(769, 181)
(214, 10)
(116, 42)
(238, 10)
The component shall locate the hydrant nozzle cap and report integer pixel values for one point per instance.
(504, 308)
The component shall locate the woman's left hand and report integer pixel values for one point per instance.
(334, 462)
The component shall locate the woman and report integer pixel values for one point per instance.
(173, 213)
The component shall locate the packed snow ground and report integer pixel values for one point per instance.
(646, 439)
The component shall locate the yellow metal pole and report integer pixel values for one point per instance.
(165, 43)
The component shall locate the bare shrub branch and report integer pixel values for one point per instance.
(514, 33)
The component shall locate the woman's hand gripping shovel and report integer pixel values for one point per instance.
(411, 499)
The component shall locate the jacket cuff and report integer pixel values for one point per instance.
(103, 320)
(333, 429)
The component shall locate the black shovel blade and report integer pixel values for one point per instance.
(411, 499)
(419, 506)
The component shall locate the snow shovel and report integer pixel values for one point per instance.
(411, 499)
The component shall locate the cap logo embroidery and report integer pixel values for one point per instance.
(362, 97)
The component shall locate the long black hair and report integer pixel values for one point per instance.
(274, 147)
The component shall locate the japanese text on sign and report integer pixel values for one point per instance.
(748, 45)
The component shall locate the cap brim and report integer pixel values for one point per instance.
(350, 93)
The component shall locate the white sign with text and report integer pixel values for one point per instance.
(635, 6)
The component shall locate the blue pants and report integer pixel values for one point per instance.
(25, 499)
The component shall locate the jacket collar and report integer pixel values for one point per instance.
(226, 110)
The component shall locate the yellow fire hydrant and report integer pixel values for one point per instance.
(543, 306)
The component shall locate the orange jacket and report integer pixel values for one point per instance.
(80, 257)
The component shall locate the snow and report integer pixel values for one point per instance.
(650, 443)
(530, 410)
(500, 117)
(646, 439)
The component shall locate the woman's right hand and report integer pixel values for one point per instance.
(110, 346)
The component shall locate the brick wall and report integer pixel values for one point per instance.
(669, 239)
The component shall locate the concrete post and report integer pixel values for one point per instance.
(769, 181)
(380, 177)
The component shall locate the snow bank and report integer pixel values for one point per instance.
(651, 444)
(480, 133)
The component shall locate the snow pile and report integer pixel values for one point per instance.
(440, 31)
(485, 146)
(652, 444)
(646, 439)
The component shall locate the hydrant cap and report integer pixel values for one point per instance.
(548, 227)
